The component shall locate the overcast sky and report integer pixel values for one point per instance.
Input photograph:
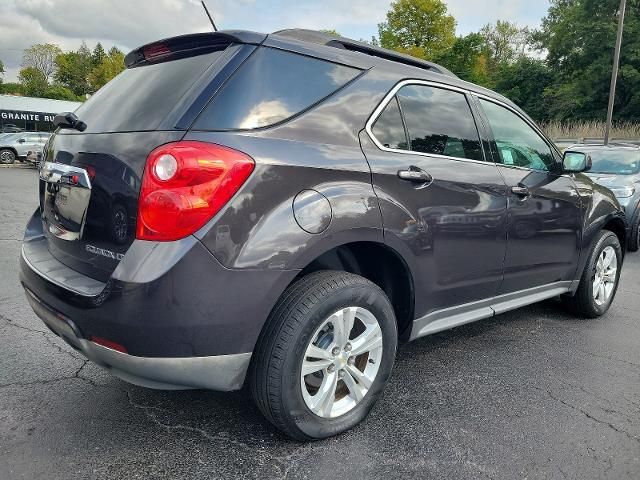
(130, 23)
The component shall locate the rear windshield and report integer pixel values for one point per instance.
(272, 86)
(141, 98)
(615, 162)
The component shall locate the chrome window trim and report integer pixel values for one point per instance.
(387, 98)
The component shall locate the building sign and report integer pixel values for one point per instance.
(21, 116)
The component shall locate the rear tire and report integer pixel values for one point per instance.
(600, 279)
(7, 156)
(312, 316)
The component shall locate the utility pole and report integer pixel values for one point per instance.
(614, 74)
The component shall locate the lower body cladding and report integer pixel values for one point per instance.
(173, 315)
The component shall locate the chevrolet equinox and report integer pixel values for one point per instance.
(279, 211)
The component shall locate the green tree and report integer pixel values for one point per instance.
(504, 42)
(98, 55)
(111, 65)
(73, 69)
(467, 59)
(42, 57)
(1, 70)
(59, 92)
(422, 28)
(11, 88)
(579, 36)
(524, 82)
(33, 81)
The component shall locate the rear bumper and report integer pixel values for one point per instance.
(184, 320)
(220, 372)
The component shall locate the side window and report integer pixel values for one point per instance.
(388, 129)
(517, 143)
(272, 86)
(439, 121)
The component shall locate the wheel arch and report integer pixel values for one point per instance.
(378, 263)
(11, 149)
(619, 227)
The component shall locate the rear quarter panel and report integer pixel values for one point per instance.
(317, 150)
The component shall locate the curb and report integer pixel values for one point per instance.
(18, 166)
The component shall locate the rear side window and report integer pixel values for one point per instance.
(272, 86)
(439, 122)
(389, 129)
(141, 98)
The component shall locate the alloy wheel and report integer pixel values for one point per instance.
(341, 362)
(7, 157)
(605, 276)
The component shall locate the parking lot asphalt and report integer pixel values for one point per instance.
(535, 393)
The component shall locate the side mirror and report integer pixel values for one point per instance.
(576, 162)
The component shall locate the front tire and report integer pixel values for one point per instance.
(7, 156)
(325, 355)
(599, 281)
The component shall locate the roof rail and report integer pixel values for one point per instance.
(320, 38)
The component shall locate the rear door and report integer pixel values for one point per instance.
(90, 183)
(442, 201)
(544, 230)
(28, 143)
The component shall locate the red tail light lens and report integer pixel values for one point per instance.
(184, 185)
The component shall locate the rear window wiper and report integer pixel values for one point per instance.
(69, 120)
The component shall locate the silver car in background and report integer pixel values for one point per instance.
(20, 146)
(617, 167)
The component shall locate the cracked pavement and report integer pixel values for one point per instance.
(534, 393)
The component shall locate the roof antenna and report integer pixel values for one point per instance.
(204, 5)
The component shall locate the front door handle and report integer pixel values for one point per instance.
(521, 191)
(415, 175)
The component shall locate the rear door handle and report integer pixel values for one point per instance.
(415, 175)
(521, 191)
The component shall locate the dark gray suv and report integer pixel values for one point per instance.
(280, 210)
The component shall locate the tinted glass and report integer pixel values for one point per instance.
(518, 144)
(618, 162)
(388, 128)
(272, 86)
(440, 122)
(142, 97)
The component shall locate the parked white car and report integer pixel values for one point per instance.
(17, 146)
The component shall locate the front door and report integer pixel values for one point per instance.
(443, 204)
(544, 205)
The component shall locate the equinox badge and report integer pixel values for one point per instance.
(103, 252)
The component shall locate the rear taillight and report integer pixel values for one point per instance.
(184, 185)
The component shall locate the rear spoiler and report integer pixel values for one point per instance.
(188, 46)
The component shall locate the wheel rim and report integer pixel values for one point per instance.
(341, 362)
(605, 276)
(6, 157)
